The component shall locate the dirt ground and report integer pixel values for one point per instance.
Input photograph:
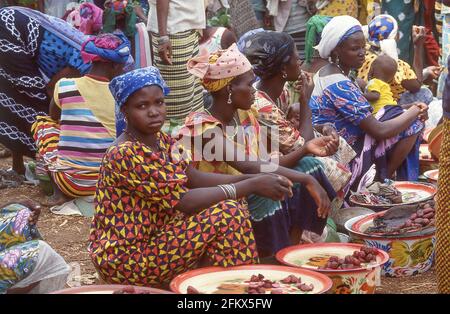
(68, 236)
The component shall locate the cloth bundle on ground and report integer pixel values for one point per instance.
(24, 258)
(88, 18)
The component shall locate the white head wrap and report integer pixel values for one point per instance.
(334, 32)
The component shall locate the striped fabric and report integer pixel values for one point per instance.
(83, 138)
(243, 17)
(72, 182)
(143, 54)
(298, 17)
(439, 19)
(72, 150)
(300, 43)
(186, 92)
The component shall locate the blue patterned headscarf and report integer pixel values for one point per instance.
(382, 27)
(382, 33)
(244, 38)
(123, 86)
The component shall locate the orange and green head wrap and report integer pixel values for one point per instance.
(218, 69)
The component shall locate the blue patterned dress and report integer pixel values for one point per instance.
(338, 100)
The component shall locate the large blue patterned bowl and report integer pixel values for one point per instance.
(409, 255)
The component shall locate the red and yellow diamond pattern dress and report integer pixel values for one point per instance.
(138, 238)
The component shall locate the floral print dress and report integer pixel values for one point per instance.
(19, 246)
(273, 114)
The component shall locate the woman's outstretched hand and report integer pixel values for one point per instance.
(322, 146)
(320, 197)
(273, 186)
(418, 35)
(423, 111)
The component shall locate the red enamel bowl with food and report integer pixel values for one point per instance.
(209, 280)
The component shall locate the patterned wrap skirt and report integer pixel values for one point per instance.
(273, 220)
(186, 92)
(72, 182)
(22, 86)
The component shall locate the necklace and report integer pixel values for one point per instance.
(350, 74)
(235, 127)
(339, 67)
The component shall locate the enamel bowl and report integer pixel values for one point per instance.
(432, 175)
(409, 254)
(412, 193)
(233, 280)
(362, 280)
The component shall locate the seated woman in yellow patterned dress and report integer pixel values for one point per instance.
(155, 215)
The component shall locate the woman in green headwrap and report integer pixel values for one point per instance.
(314, 28)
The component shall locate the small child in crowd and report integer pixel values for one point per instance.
(378, 91)
(293, 115)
